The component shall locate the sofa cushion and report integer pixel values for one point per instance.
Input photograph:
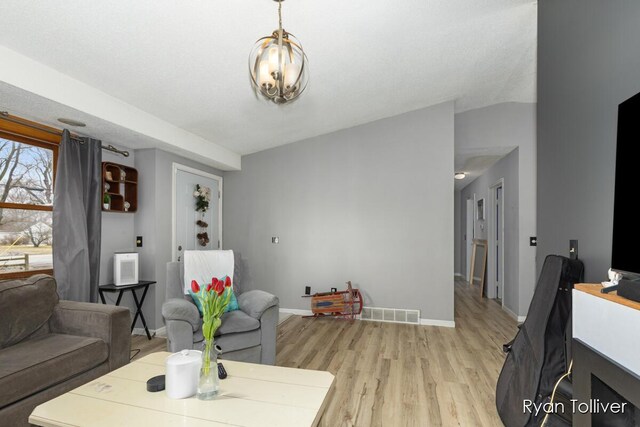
(240, 341)
(36, 364)
(238, 331)
(233, 303)
(237, 321)
(26, 305)
(195, 300)
(232, 322)
(232, 306)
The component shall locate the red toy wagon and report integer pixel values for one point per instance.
(346, 304)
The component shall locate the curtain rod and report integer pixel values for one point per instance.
(4, 115)
(115, 150)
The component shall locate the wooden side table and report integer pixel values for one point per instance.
(141, 284)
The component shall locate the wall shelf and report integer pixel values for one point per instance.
(120, 182)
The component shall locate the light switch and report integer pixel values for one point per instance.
(275, 240)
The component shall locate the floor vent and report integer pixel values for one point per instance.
(395, 315)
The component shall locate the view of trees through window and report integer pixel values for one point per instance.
(26, 198)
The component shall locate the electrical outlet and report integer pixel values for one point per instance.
(275, 240)
(139, 241)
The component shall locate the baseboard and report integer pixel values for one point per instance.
(435, 322)
(514, 316)
(160, 332)
(296, 311)
(510, 313)
(424, 322)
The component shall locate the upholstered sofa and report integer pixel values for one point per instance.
(246, 335)
(49, 346)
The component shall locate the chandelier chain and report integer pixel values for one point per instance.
(280, 15)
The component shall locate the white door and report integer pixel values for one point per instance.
(195, 230)
(469, 235)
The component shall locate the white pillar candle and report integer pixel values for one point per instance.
(273, 59)
(264, 76)
(291, 73)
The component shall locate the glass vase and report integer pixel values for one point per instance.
(208, 383)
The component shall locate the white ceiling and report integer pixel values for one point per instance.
(186, 62)
(37, 108)
(475, 161)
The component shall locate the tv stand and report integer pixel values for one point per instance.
(603, 390)
(606, 367)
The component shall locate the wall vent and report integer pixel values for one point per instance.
(395, 315)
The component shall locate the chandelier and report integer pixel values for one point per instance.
(278, 65)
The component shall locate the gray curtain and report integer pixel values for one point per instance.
(77, 218)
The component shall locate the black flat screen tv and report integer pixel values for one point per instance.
(625, 254)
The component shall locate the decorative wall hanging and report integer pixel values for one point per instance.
(203, 197)
(203, 238)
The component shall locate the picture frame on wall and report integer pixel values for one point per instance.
(480, 210)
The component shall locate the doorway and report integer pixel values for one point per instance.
(191, 229)
(496, 241)
(469, 233)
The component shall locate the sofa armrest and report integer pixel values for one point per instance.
(256, 302)
(181, 309)
(107, 322)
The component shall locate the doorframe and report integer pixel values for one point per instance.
(491, 231)
(469, 239)
(175, 167)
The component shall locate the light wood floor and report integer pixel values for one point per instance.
(141, 346)
(401, 375)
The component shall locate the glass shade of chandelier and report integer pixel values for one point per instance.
(278, 65)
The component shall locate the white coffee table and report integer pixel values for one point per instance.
(251, 395)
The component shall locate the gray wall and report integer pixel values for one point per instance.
(587, 64)
(153, 222)
(372, 204)
(117, 228)
(457, 234)
(506, 168)
(146, 226)
(117, 234)
(510, 125)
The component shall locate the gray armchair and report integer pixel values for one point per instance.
(247, 335)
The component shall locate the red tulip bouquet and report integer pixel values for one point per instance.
(213, 301)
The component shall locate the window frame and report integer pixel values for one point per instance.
(30, 133)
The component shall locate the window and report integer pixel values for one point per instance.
(27, 171)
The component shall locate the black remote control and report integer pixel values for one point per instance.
(222, 373)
